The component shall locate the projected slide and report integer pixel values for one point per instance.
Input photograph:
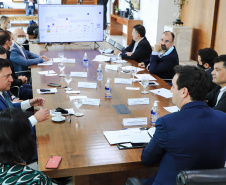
(70, 23)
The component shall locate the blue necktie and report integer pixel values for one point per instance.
(8, 101)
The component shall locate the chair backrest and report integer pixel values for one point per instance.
(202, 177)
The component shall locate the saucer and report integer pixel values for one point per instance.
(55, 119)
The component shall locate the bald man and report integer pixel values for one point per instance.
(20, 57)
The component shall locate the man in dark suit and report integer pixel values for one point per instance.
(5, 83)
(140, 48)
(193, 138)
(217, 97)
(206, 61)
(164, 57)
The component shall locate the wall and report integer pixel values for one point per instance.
(155, 14)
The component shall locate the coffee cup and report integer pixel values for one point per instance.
(58, 116)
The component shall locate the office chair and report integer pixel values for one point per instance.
(112, 42)
(193, 177)
(28, 72)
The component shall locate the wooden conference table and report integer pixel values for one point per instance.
(86, 154)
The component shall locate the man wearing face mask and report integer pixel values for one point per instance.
(20, 81)
(206, 61)
(164, 57)
(21, 58)
(5, 23)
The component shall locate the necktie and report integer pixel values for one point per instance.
(8, 101)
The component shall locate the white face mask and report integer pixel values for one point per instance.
(9, 26)
(20, 41)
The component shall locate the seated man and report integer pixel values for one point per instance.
(164, 57)
(205, 61)
(5, 23)
(5, 83)
(20, 81)
(217, 97)
(140, 48)
(20, 57)
(193, 138)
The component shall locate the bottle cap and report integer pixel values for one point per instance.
(108, 80)
(99, 66)
(156, 103)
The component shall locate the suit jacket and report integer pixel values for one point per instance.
(193, 138)
(27, 4)
(164, 67)
(4, 105)
(142, 52)
(212, 99)
(20, 62)
(210, 79)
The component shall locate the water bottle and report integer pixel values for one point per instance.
(85, 60)
(99, 73)
(108, 89)
(154, 113)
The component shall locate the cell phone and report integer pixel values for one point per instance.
(44, 90)
(53, 162)
(54, 85)
(126, 71)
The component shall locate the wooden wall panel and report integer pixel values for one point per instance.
(199, 14)
(220, 37)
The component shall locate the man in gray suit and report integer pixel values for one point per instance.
(30, 6)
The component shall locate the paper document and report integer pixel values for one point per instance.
(119, 61)
(131, 67)
(133, 88)
(172, 109)
(138, 101)
(77, 97)
(46, 72)
(65, 60)
(140, 76)
(101, 58)
(79, 74)
(49, 63)
(151, 131)
(112, 67)
(134, 121)
(87, 85)
(126, 136)
(91, 101)
(70, 111)
(73, 92)
(162, 92)
(122, 81)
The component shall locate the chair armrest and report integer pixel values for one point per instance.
(17, 90)
(134, 181)
(27, 71)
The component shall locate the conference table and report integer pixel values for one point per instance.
(86, 154)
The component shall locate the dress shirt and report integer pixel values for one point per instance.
(222, 90)
(30, 4)
(135, 45)
(24, 106)
(21, 49)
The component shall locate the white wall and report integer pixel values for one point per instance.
(155, 14)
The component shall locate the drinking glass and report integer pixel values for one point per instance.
(133, 71)
(61, 66)
(101, 50)
(68, 79)
(144, 83)
(78, 103)
(61, 57)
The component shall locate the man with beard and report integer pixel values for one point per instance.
(164, 57)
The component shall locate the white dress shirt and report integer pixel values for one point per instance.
(222, 90)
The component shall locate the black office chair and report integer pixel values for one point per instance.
(193, 177)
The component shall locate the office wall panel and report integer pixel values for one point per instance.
(200, 16)
(220, 37)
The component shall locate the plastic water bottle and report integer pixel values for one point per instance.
(154, 113)
(99, 73)
(85, 60)
(108, 89)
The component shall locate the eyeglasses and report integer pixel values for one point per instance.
(21, 36)
(165, 41)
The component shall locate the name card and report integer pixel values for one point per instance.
(134, 121)
(138, 101)
(112, 67)
(79, 74)
(123, 81)
(133, 88)
(77, 97)
(91, 101)
(87, 85)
